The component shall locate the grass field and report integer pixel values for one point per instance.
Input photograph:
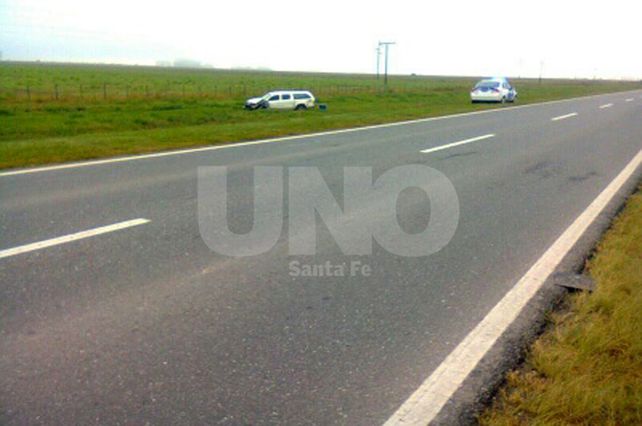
(587, 368)
(51, 113)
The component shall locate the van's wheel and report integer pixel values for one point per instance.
(300, 107)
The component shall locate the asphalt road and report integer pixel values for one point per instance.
(146, 324)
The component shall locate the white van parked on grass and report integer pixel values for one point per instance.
(283, 99)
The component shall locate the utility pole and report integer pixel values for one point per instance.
(541, 70)
(385, 44)
(378, 50)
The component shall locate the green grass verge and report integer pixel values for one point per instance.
(587, 368)
(151, 109)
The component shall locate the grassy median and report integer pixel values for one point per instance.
(587, 367)
(56, 113)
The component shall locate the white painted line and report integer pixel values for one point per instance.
(450, 145)
(562, 117)
(628, 100)
(281, 139)
(427, 401)
(606, 106)
(71, 237)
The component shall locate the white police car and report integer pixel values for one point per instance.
(496, 89)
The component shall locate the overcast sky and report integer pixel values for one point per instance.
(445, 37)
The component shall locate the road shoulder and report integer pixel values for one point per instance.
(509, 352)
(586, 367)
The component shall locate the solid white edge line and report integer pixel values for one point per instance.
(562, 117)
(450, 145)
(281, 139)
(71, 237)
(427, 401)
(606, 106)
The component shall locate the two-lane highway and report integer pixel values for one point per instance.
(114, 310)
